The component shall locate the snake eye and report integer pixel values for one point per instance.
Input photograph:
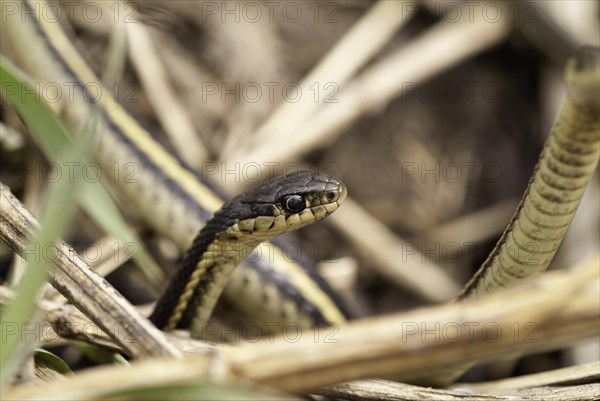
(294, 203)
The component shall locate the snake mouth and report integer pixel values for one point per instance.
(343, 194)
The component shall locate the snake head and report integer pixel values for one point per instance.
(285, 204)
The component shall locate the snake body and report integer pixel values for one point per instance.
(548, 206)
(566, 164)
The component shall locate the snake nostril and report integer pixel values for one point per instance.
(331, 196)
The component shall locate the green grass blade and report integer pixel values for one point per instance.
(53, 137)
(58, 144)
(57, 215)
(192, 391)
(51, 361)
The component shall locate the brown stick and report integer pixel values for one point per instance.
(556, 310)
(89, 292)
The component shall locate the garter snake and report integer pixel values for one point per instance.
(173, 199)
(273, 208)
(176, 201)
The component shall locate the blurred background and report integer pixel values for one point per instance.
(433, 114)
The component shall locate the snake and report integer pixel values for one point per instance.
(171, 197)
(275, 207)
